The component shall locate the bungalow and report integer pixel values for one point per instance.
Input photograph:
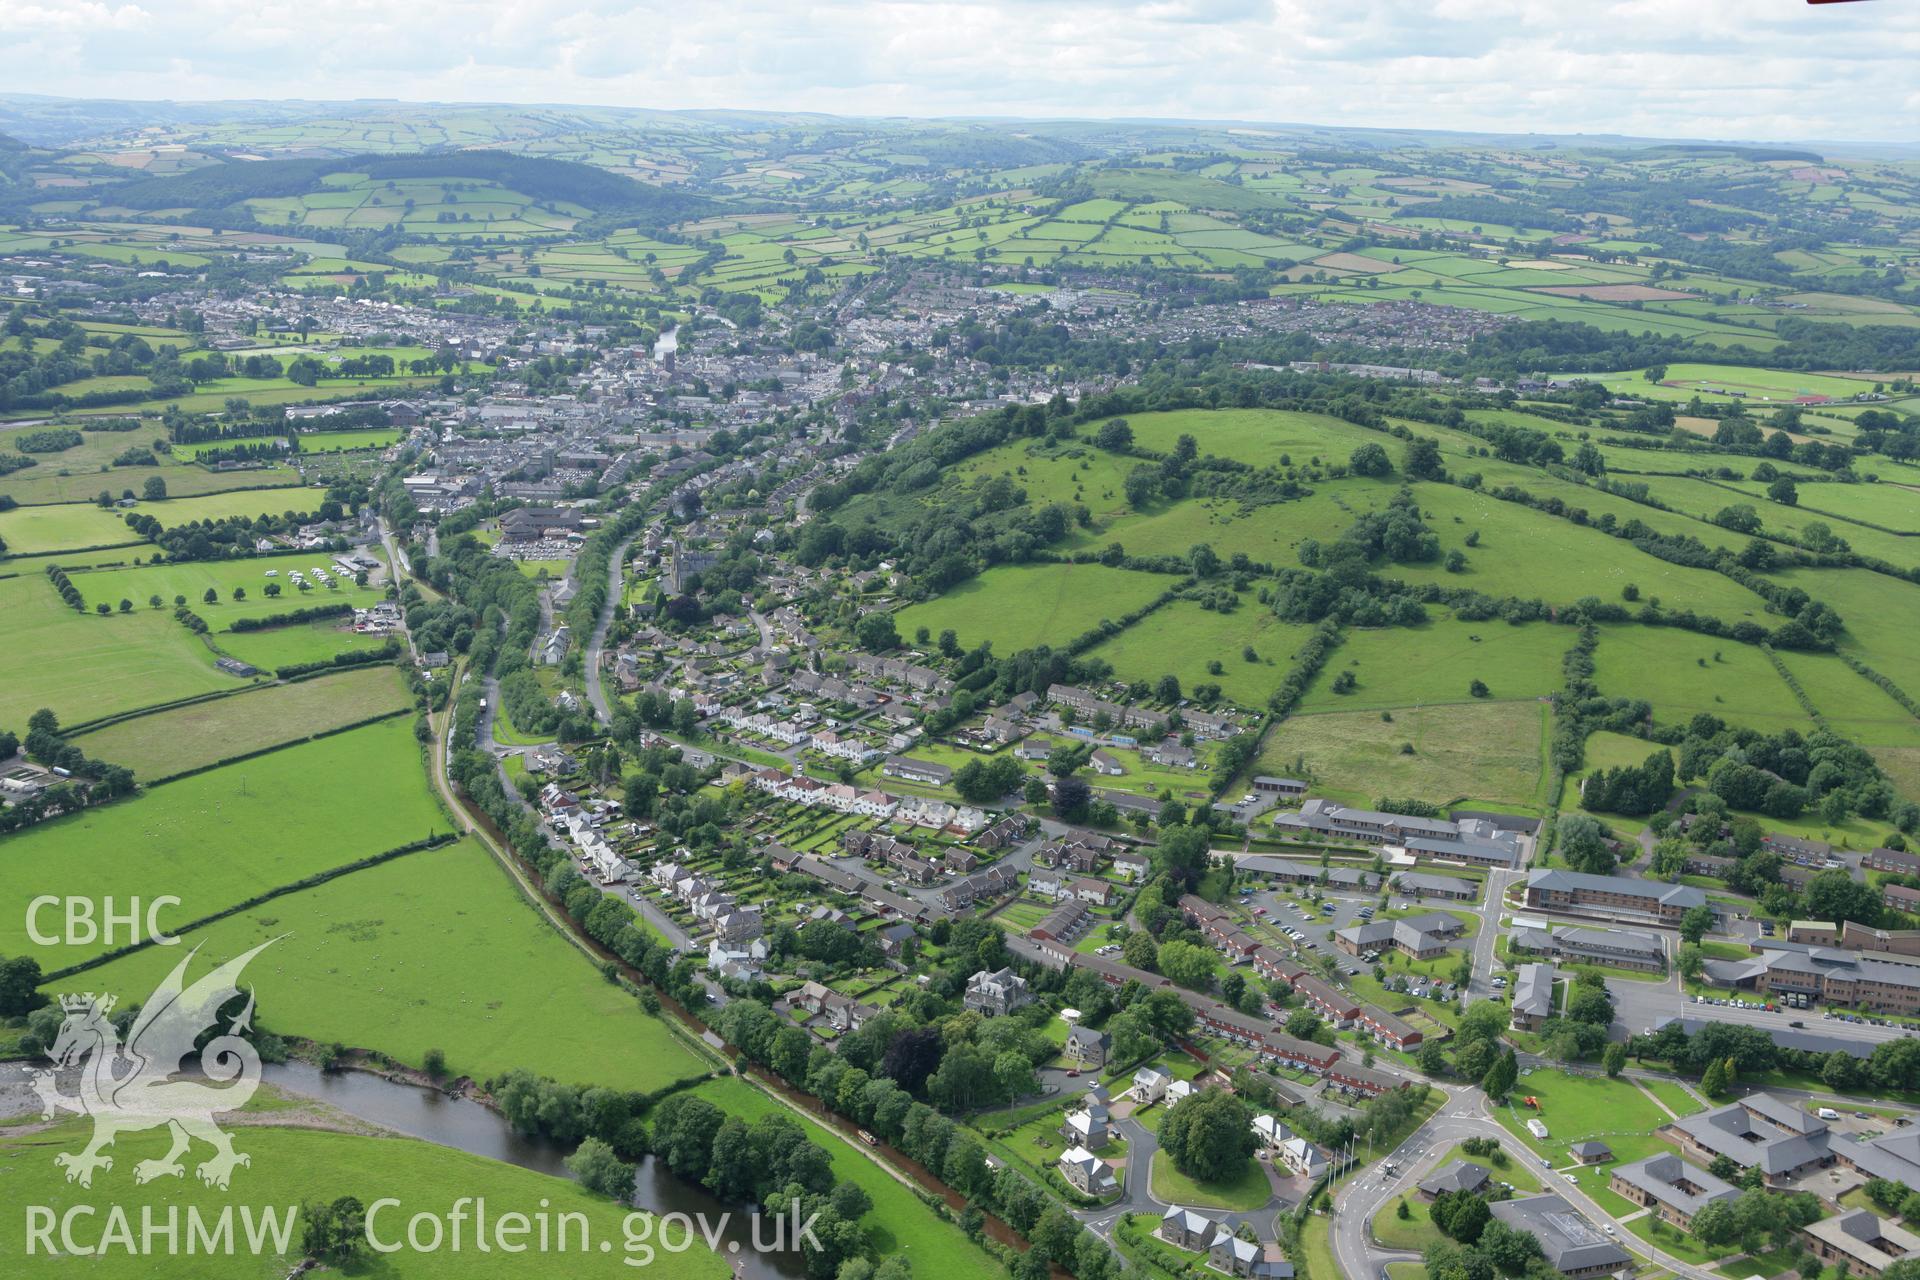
(1172, 755)
(1105, 764)
(924, 772)
(1592, 1151)
(1455, 1175)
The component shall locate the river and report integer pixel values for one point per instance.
(466, 1125)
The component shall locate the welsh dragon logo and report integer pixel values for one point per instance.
(127, 1088)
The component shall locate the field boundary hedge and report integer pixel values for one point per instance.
(339, 661)
(257, 752)
(106, 722)
(1793, 683)
(280, 891)
(1884, 683)
(292, 618)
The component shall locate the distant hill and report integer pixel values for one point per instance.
(13, 160)
(225, 186)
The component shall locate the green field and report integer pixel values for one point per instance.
(169, 742)
(1018, 607)
(342, 441)
(48, 484)
(1577, 1108)
(85, 666)
(193, 578)
(300, 642)
(221, 837)
(899, 1223)
(289, 1165)
(1683, 673)
(1527, 553)
(1439, 662)
(1184, 639)
(40, 529)
(1481, 751)
(432, 950)
(1247, 1192)
(1256, 436)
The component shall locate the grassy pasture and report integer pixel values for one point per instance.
(1183, 639)
(193, 578)
(1882, 616)
(221, 837)
(1576, 1108)
(1484, 751)
(1854, 705)
(1892, 505)
(1268, 534)
(84, 666)
(291, 1164)
(433, 950)
(45, 484)
(276, 647)
(182, 738)
(1683, 673)
(1255, 436)
(1409, 666)
(342, 441)
(35, 529)
(1536, 556)
(32, 531)
(1076, 474)
(1017, 607)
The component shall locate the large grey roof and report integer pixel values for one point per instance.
(1570, 1242)
(1660, 1177)
(1533, 992)
(1682, 896)
(1752, 1141)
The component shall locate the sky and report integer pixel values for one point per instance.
(1736, 69)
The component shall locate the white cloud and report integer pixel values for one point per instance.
(1712, 68)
